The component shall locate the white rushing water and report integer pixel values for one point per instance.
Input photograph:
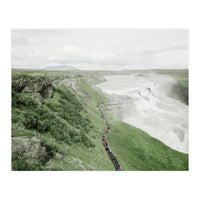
(149, 107)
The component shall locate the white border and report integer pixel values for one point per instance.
(99, 14)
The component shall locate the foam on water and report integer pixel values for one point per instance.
(151, 109)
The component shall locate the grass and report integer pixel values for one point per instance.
(136, 150)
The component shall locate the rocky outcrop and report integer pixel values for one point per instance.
(31, 149)
(39, 87)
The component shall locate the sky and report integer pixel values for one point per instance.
(100, 49)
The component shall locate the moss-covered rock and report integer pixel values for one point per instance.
(39, 87)
(31, 149)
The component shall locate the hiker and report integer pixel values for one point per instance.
(119, 169)
(108, 149)
(108, 127)
(114, 158)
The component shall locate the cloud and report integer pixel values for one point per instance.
(81, 49)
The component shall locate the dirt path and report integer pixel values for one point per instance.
(105, 143)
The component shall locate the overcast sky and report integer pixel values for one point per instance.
(99, 49)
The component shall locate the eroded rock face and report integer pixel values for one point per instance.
(39, 87)
(32, 149)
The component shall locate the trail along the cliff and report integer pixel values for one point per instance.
(105, 143)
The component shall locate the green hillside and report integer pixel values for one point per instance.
(56, 126)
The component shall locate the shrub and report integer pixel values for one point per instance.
(50, 116)
(31, 120)
(20, 164)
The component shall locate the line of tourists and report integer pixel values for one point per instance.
(104, 142)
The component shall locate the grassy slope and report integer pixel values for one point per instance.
(134, 149)
(79, 157)
(74, 155)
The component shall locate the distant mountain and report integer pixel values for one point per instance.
(61, 67)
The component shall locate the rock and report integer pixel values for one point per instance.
(32, 149)
(59, 156)
(39, 87)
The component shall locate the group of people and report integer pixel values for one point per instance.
(105, 143)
